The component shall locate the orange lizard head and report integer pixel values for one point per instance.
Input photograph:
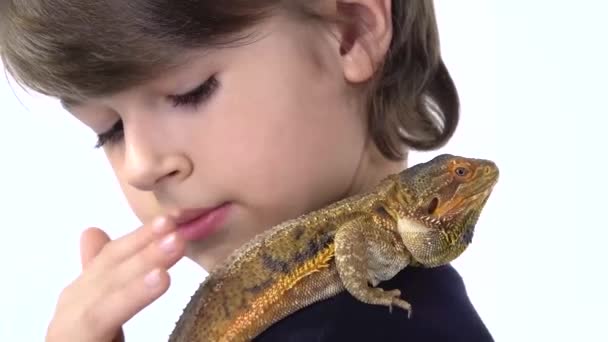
(438, 204)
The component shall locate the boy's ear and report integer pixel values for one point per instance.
(365, 37)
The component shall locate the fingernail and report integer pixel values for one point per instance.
(160, 224)
(152, 279)
(168, 243)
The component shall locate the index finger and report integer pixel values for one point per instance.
(127, 245)
(92, 241)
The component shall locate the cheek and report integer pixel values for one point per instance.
(287, 154)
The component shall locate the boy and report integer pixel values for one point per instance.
(221, 119)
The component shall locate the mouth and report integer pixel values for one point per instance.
(198, 224)
(482, 196)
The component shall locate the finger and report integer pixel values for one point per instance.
(163, 253)
(133, 242)
(120, 306)
(132, 285)
(92, 241)
(137, 282)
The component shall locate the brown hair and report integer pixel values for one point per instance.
(79, 49)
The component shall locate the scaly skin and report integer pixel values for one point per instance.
(424, 216)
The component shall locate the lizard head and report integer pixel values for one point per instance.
(438, 205)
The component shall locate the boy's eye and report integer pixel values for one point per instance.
(196, 96)
(113, 135)
(192, 98)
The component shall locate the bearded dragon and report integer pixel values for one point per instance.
(423, 216)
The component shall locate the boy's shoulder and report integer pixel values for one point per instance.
(442, 311)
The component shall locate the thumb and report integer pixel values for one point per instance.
(92, 241)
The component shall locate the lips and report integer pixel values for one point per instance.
(191, 214)
(197, 224)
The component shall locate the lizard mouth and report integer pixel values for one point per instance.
(477, 199)
(481, 197)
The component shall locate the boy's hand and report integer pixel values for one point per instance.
(119, 279)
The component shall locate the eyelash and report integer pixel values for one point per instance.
(192, 99)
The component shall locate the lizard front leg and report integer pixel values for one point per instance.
(353, 258)
(310, 290)
(312, 281)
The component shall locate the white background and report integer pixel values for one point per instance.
(532, 78)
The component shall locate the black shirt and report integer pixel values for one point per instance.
(441, 311)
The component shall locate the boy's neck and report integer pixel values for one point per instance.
(372, 168)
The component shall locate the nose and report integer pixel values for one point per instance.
(491, 170)
(152, 161)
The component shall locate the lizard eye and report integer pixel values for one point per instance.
(433, 206)
(462, 171)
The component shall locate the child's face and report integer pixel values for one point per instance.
(282, 134)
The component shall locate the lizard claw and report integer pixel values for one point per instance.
(393, 297)
(397, 301)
